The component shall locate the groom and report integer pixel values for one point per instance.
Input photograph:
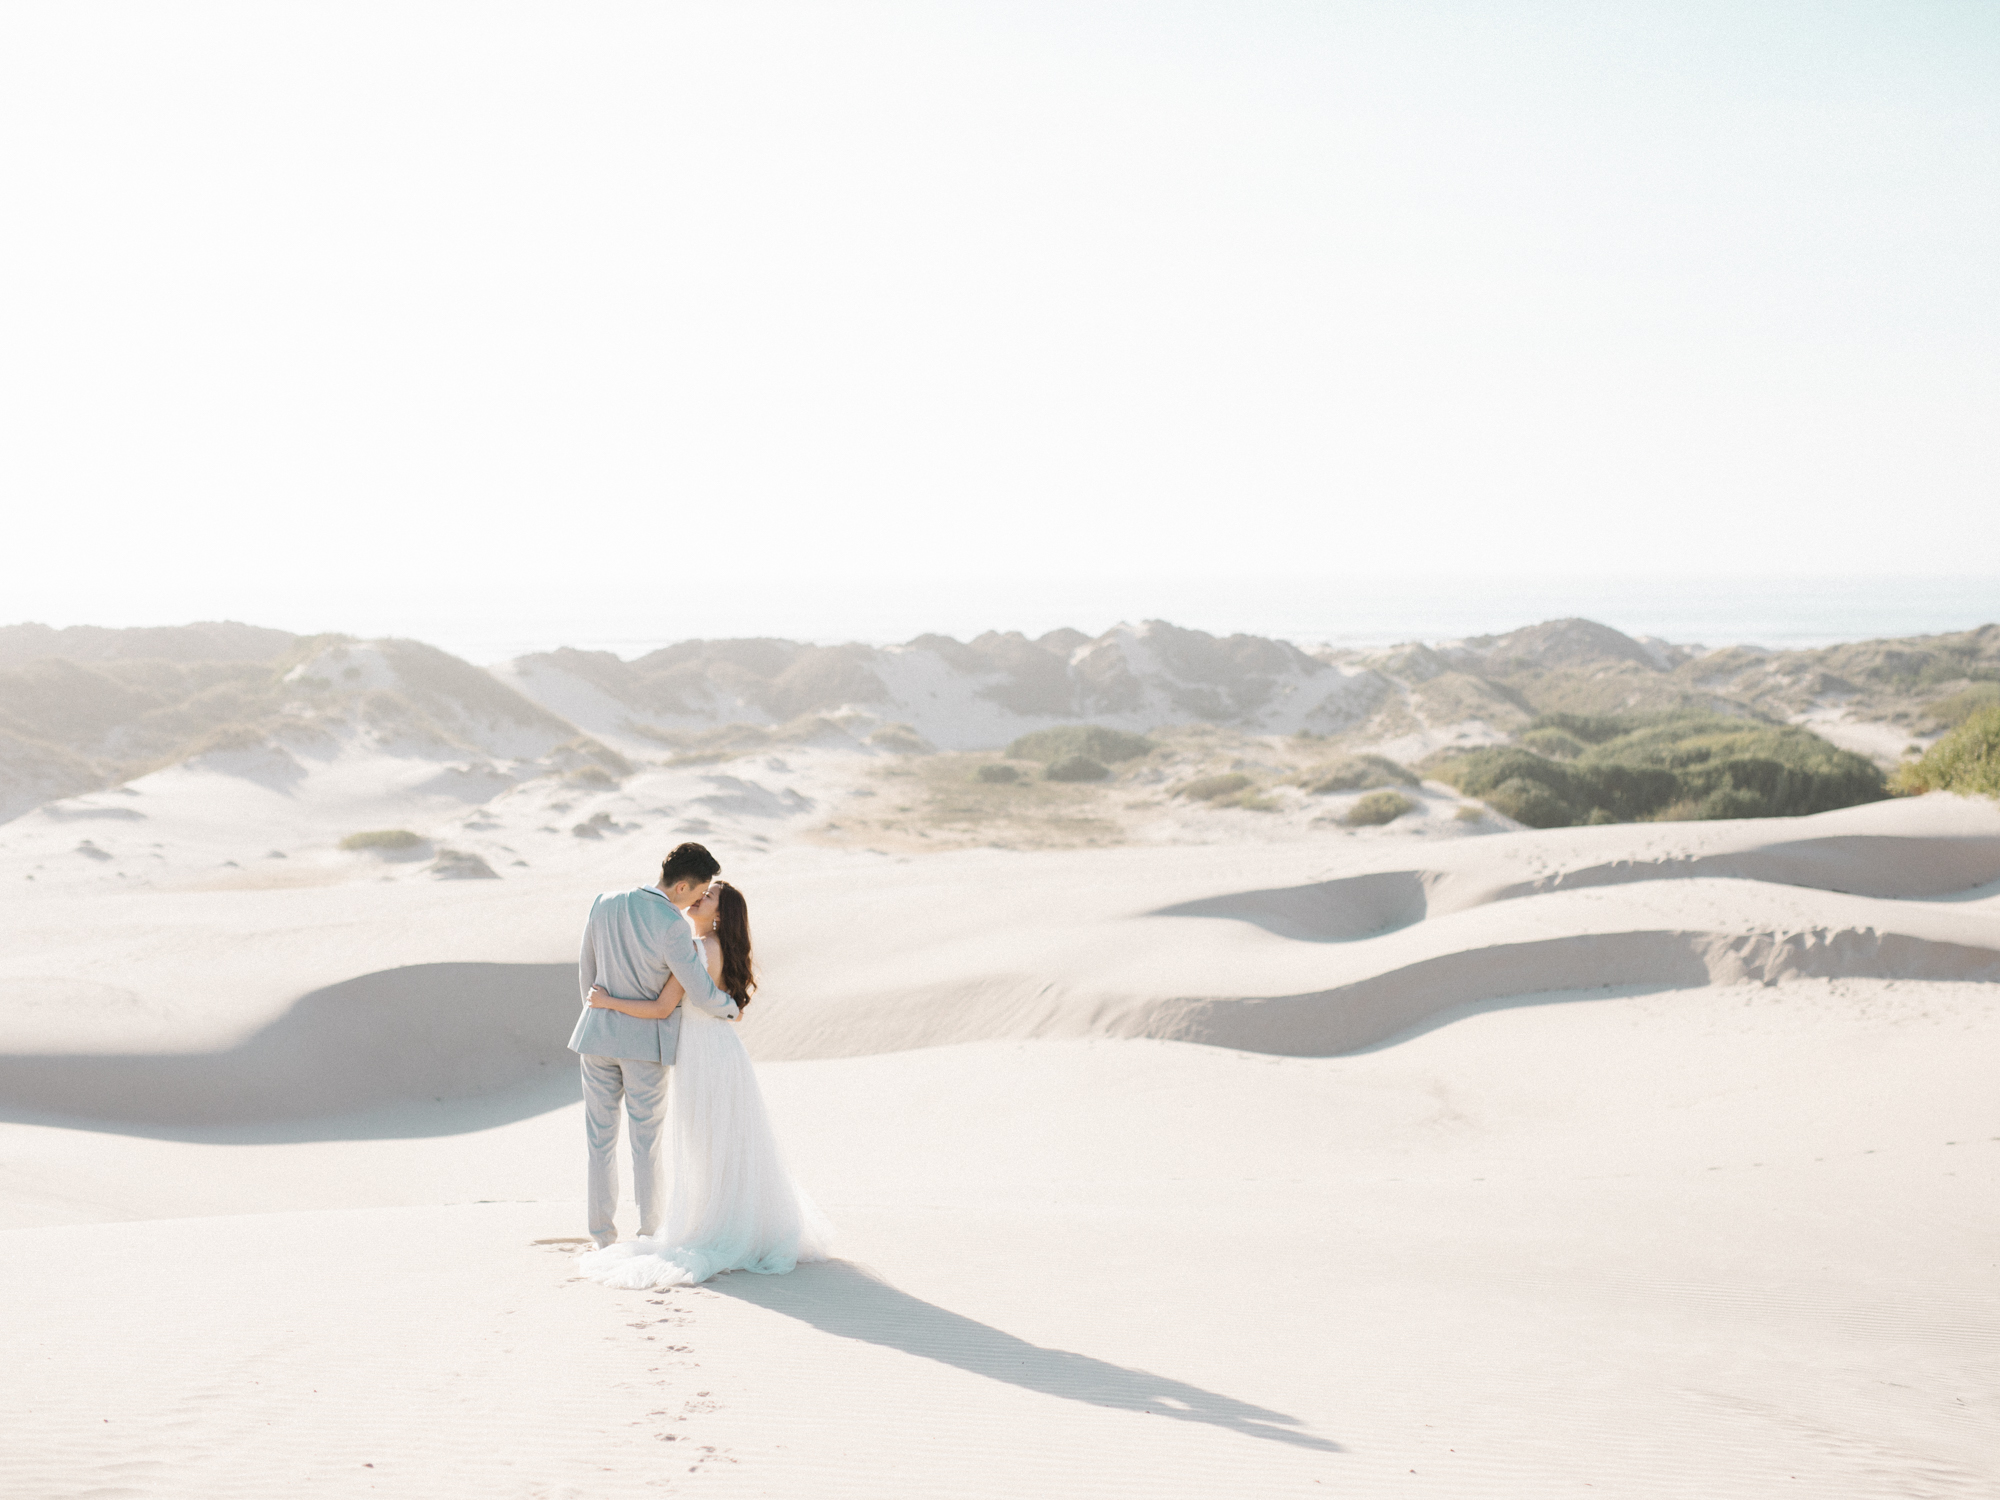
(632, 941)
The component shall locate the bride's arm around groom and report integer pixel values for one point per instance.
(671, 993)
(684, 961)
(635, 943)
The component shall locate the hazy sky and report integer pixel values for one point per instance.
(613, 315)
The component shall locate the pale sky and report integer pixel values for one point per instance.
(604, 316)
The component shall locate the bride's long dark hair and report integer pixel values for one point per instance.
(732, 931)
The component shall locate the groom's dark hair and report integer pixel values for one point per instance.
(689, 862)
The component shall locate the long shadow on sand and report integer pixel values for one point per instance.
(431, 1049)
(1327, 911)
(842, 1299)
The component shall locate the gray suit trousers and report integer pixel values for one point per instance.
(643, 1086)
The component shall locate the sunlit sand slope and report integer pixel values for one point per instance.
(1714, 1243)
(267, 1011)
(1116, 942)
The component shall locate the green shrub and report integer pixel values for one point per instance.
(1967, 760)
(1629, 794)
(1530, 802)
(1526, 787)
(1591, 729)
(390, 840)
(1469, 812)
(1377, 808)
(1091, 741)
(1667, 766)
(1209, 788)
(1358, 773)
(1949, 713)
(1739, 768)
(998, 775)
(1557, 744)
(1076, 768)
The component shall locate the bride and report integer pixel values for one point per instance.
(733, 1206)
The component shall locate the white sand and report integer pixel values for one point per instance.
(284, 1137)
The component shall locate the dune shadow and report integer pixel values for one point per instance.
(270, 766)
(1882, 866)
(430, 1049)
(1391, 1004)
(1328, 911)
(840, 1298)
(1451, 1015)
(1970, 896)
(1886, 867)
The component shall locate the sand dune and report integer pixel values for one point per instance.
(1548, 1247)
(1330, 965)
(1260, 1158)
(365, 1044)
(987, 945)
(1357, 906)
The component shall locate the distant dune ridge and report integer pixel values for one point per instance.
(76, 725)
(86, 708)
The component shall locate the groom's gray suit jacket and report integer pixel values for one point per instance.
(631, 942)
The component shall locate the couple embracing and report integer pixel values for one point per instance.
(665, 970)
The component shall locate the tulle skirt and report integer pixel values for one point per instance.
(733, 1205)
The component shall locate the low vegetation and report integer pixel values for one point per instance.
(383, 841)
(726, 742)
(1358, 773)
(1657, 767)
(1557, 744)
(1077, 768)
(948, 800)
(1967, 760)
(898, 739)
(1090, 741)
(1215, 788)
(997, 775)
(1378, 808)
(585, 754)
(1949, 713)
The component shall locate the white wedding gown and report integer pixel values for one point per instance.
(733, 1205)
